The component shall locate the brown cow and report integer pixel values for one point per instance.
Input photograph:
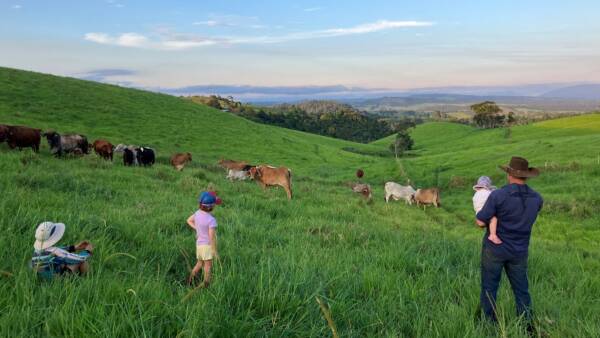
(428, 196)
(272, 176)
(24, 137)
(3, 132)
(233, 165)
(179, 160)
(104, 149)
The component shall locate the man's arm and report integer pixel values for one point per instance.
(480, 223)
(69, 258)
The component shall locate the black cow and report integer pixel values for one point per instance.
(128, 157)
(3, 132)
(64, 144)
(145, 156)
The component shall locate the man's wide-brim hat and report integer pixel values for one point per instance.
(47, 234)
(519, 167)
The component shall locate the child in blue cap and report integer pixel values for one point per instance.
(205, 226)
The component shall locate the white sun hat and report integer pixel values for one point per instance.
(47, 234)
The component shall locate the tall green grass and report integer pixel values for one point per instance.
(378, 269)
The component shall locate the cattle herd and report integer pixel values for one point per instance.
(265, 175)
(76, 144)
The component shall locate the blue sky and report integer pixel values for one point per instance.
(368, 44)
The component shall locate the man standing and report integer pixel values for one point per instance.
(516, 207)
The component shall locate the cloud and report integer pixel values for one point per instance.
(313, 9)
(229, 20)
(280, 93)
(292, 90)
(107, 75)
(335, 32)
(123, 40)
(17, 7)
(114, 3)
(374, 27)
(210, 23)
(170, 41)
(163, 42)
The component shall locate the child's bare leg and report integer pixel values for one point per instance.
(207, 273)
(493, 237)
(195, 271)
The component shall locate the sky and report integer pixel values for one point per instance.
(364, 44)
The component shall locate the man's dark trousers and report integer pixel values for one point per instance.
(492, 263)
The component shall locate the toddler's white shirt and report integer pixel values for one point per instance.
(479, 199)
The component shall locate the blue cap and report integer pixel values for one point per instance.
(207, 199)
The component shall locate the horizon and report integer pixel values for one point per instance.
(382, 47)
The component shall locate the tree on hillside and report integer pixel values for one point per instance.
(402, 143)
(487, 115)
(511, 119)
(403, 124)
(213, 101)
(438, 115)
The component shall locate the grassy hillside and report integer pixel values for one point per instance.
(567, 150)
(165, 122)
(382, 270)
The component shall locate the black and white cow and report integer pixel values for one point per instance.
(69, 143)
(145, 156)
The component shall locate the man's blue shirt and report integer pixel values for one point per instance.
(516, 207)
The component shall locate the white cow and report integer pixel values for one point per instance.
(363, 189)
(237, 175)
(397, 191)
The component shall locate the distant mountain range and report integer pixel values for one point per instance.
(514, 94)
(583, 92)
(450, 103)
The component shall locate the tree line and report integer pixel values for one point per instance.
(328, 118)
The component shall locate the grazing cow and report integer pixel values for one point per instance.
(397, 191)
(23, 137)
(104, 149)
(237, 174)
(128, 157)
(120, 148)
(272, 176)
(233, 165)
(179, 160)
(145, 156)
(3, 132)
(360, 173)
(428, 196)
(64, 144)
(363, 189)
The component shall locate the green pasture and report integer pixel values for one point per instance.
(378, 269)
